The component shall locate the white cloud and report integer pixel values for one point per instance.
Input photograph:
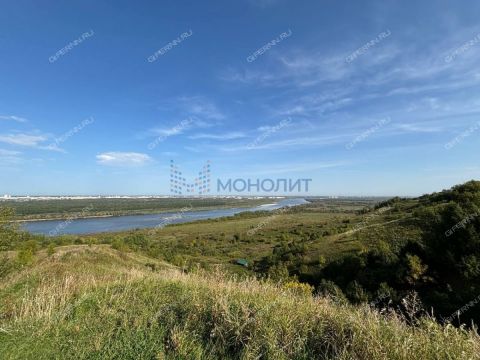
(188, 124)
(4, 152)
(22, 139)
(114, 158)
(172, 131)
(394, 64)
(416, 128)
(224, 136)
(37, 141)
(162, 133)
(200, 106)
(304, 141)
(248, 76)
(13, 118)
(389, 80)
(9, 157)
(52, 147)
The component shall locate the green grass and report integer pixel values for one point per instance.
(97, 303)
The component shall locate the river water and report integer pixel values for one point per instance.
(128, 222)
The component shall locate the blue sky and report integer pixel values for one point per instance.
(362, 97)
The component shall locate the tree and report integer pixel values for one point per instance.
(279, 272)
(9, 235)
(415, 269)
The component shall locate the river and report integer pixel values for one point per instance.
(128, 222)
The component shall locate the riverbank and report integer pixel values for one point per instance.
(80, 217)
(67, 209)
(103, 224)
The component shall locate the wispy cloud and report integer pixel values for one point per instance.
(197, 113)
(416, 128)
(198, 106)
(33, 140)
(222, 136)
(52, 147)
(247, 76)
(178, 129)
(164, 132)
(395, 63)
(128, 159)
(168, 131)
(23, 139)
(408, 81)
(204, 109)
(4, 152)
(297, 142)
(9, 157)
(13, 118)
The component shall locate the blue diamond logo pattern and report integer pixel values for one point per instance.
(179, 185)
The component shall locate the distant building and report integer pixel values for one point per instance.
(242, 262)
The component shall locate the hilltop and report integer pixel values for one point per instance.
(98, 303)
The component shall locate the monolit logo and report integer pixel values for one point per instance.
(179, 185)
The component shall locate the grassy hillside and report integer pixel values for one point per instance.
(384, 251)
(93, 302)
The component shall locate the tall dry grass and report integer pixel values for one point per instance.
(99, 304)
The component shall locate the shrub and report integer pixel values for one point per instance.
(298, 288)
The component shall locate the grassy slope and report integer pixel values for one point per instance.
(97, 303)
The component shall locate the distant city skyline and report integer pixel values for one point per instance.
(379, 100)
